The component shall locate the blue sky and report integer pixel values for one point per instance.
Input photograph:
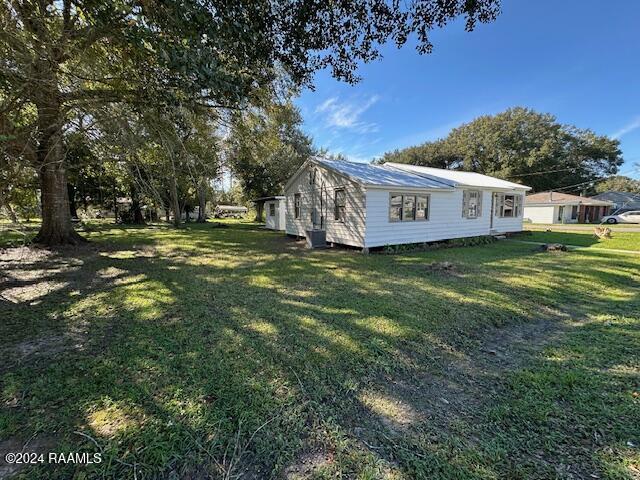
(576, 59)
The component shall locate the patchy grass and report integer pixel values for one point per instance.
(212, 352)
(618, 241)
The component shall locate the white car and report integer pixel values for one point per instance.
(626, 217)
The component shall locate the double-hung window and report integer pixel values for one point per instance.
(471, 203)
(407, 208)
(296, 205)
(272, 209)
(508, 205)
(340, 204)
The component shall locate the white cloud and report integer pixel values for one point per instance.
(628, 128)
(347, 114)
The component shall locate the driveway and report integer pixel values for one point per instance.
(581, 227)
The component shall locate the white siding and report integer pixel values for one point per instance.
(349, 232)
(276, 222)
(445, 220)
(542, 214)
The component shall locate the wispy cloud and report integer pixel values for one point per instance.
(628, 128)
(346, 114)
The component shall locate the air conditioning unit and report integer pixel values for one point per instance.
(316, 238)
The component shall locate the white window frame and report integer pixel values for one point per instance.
(516, 208)
(297, 205)
(339, 217)
(402, 216)
(467, 196)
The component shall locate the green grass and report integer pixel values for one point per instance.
(618, 241)
(210, 351)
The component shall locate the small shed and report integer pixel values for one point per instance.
(275, 211)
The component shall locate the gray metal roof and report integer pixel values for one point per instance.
(458, 177)
(377, 175)
(628, 199)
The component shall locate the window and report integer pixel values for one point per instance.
(340, 201)
(472, 203)
(296, 205)
(407, 208)
(508, 205)
(272, 209)
(395, 208)
(422, 207)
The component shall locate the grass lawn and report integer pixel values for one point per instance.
(210, 352)
(618, 241)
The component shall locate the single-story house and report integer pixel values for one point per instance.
(622, 201)
(556, 207)
(367, 206)
(275, 211)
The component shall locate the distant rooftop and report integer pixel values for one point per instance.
(558, 198)
(457, 177)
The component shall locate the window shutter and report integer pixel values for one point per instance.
(465, 203)
(479, 209)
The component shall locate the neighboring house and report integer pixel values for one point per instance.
(369, 206)
(556, 207)
(274, 211)
(622, 201)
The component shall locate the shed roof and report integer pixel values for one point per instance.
(266, 199)
(558, 198)
(378, 175)
(457, 177)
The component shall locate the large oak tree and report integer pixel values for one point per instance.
(522, 145)
(61, 55)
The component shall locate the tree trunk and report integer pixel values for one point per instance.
(136, 211)
(71, 192)
(202, 202)
(56, 228)
(259, 210)
(175, 203)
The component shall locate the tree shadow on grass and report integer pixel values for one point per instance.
(225, 350)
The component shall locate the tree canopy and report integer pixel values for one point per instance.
(60, 58)
(618, 183)
(520, 145)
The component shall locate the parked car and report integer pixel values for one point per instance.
(626, 217)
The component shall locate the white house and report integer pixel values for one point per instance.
(367, 206)
(557, 207)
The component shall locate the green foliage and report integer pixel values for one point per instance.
(192, 342)
(520, 145)
(618, 183)
(452, 243)
(266, 147)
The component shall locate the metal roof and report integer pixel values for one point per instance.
(265, 199)
(629, 199)
(457, 177)
(378, 175)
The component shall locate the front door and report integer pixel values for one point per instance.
(560, 213)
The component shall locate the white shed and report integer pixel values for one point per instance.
(367, 206)
(274, 211)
